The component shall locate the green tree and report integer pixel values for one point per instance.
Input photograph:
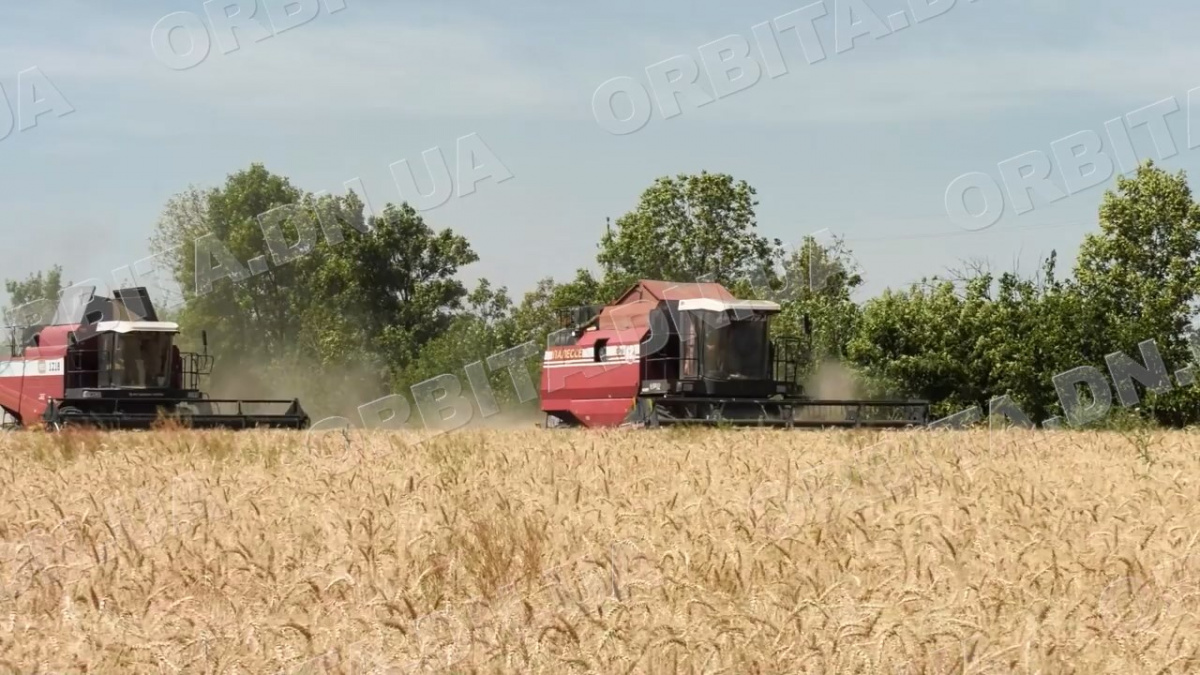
(1143, 267)
(689, 228)
(40, 286)
(960, 344)
(214, 233)
(1139, 277)
(485, 328)
(818, 282)
(345, 303)
(33, 301)
(393, 286)
(906, 344)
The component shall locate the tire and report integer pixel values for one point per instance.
(62, 423)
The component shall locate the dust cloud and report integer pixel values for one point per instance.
(339, 391)
(831, 380)
(519, 418)
(323, 390)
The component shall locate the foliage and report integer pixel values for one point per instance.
(39, 286)
(1135, 280)
(348, 301)
(398, 282)
(817, 283)
(687, 228)
(354, 307)
(1141, 275)
(34, 300)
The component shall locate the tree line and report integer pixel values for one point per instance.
(342, 306)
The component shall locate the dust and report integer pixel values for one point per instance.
(344, 390)
(523, 417)
(831, 380)
(324, 390)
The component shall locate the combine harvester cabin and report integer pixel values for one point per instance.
(110, 363)
(690, 353)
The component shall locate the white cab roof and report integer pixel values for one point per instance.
(137, 327)
(716, 305)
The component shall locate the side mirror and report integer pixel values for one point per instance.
(204, 340)
(807, 322)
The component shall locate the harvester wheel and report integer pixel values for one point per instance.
(63, 413)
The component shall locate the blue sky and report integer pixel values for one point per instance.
(862, 144)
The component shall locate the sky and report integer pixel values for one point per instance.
(861, 144)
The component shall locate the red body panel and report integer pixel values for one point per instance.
(29, 381)
(597, 393)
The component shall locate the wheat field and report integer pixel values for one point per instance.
(697, 551)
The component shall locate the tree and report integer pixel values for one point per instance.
(352, 305)
(344, 303)
(1143, 267)
(34, 300)
(209, 237)
(1139, 277)
(483, 329)
(689, 228)
(909, 343)
(961, 343)
(817, 281)
(398, 281)
(39, 286)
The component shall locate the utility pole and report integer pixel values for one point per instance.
(607, 235)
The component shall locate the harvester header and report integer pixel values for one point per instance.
(111, 363)
(690, 353)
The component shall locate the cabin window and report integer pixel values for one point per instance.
(599, 350)
(690, 348)
(135, 360)
(738, 350)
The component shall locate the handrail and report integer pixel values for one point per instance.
(194, 366)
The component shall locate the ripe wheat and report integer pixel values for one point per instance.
(721, 551)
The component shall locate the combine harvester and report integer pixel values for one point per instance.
(109, 363)
(690, 353)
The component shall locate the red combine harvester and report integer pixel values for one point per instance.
(690, 353)
(110, 363)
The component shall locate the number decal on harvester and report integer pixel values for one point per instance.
(55, 366)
